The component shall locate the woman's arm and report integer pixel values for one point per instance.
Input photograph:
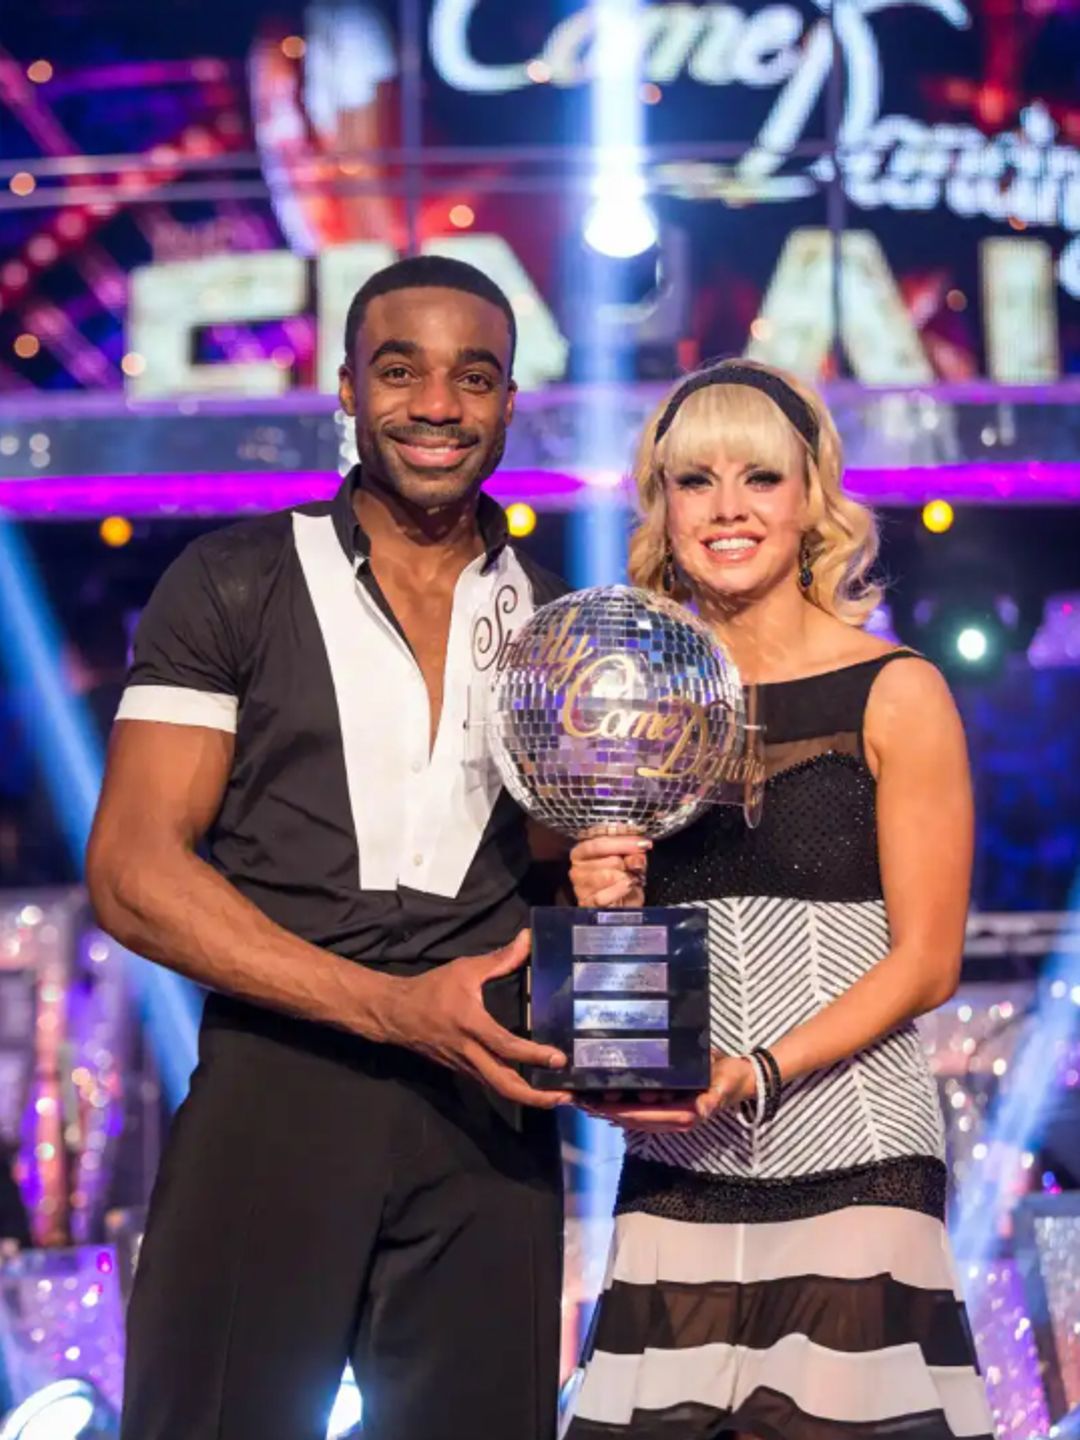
(915, 744)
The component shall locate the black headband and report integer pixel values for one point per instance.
(732, 373)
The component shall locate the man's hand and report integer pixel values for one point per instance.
(442, 1016)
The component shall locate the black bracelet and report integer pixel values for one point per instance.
(775, 1087)
(753, 1111)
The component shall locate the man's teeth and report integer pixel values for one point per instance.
(737, 543)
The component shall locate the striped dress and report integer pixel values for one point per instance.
(791, 1280)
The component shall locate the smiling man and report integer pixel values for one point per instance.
(359, 1172)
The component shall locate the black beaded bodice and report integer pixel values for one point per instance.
(817, 839)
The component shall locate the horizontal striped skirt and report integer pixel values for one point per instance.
(841, 1324)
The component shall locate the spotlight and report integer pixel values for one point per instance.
(347, 1412)
(520, 519)
(621, 227)
(64, 1410)
(972, 644)
(968, 636)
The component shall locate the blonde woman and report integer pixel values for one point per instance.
(780, 1266)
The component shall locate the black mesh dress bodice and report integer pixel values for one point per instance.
(817, 839)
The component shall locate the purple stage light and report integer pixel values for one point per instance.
(68, 497)
(1025, 482)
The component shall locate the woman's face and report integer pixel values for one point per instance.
(735, 527)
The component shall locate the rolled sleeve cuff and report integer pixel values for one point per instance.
(174, 705)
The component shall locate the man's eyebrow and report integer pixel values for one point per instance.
(467, 355)
(478, 355)
(395, 347)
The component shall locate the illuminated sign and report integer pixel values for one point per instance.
(798, 319)
(892, 161)
(714, 44)
(797, 323)
(795, 328)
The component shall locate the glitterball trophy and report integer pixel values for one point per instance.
(617, 708)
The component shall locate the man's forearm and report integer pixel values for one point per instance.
(177, 910)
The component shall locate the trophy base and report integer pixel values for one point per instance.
(625, 995)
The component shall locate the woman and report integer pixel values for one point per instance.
(780, 1266)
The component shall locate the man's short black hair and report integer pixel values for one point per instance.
(426, 271)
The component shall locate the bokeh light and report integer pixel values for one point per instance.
(520, 519)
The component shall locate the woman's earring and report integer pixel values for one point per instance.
(806, 573)
(667, 575)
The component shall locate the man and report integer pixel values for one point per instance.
(357, 1172)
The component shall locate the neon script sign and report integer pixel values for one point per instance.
(891, 161)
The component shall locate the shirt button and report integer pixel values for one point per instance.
(418, 859)
(417, 766)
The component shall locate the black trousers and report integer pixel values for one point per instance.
(322, 1200)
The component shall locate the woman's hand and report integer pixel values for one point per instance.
(733, 1081)
(656, 1111)
(608, 871)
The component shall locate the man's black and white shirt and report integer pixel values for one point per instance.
(340, 820)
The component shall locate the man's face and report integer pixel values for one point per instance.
(429, 385)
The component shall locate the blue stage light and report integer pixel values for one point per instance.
(69, 752)
(347, 1414)
(620, 225)
(1016, 1121)
(620, 222)
(65, 1410)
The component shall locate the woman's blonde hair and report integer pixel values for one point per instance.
(841, 535)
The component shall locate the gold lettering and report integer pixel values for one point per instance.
(559, 652)
(617, 724)
(562, 671)
(621, 668)
(553, 643)
(688, 746)
(641, 728)
(694, 729)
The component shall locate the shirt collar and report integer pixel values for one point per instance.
(357, 545)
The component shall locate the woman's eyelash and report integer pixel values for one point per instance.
(695, 479)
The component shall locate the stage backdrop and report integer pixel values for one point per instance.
(189, 195)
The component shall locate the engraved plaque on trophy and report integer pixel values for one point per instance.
(625, 993)
(617, 708)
